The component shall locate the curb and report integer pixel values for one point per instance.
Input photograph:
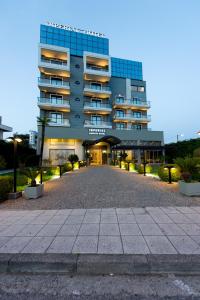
(100, 264)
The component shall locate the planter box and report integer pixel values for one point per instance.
(189, 189)
(35, 192)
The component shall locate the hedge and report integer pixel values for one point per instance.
(6, 185)
(140, 168)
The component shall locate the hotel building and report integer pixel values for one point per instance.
(96, 103)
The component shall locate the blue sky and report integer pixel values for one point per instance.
(164, 35)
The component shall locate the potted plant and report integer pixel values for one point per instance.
(34, 190)
(73, 158)
(190, 175)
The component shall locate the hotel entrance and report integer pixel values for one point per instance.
(99, 155)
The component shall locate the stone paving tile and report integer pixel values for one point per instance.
(161, 218)
(138, 211)
(89, 229)
(62, 244)
(126, 211)
(41, 220)
(12, 230)
(91, 218)
(191, 229)
(58, 220)
(85, 244)
(65, 212)
(134, 245)
(75, 219)
(3, 227)
(110, 245)
(184, 244)
(126, 218)
(69, 229)
(171, 229)
(109, 229)
(196, 238)
(196, 208)
(169, 210)
(144, 219)
(30, 230)
(180, 218)
(195, 218)
(108, 218)
(49, 230)
(93, 211)
(4, 240)
(150, 229)
(25, 220)
(185, 210)
(129, 229)
(38, 244)
(159, 245)
(15, 244)
(78, 212)
(108, 211)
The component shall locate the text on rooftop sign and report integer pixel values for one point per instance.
(71, 28)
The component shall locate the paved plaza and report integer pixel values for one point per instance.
(105, 186)
(154, 230)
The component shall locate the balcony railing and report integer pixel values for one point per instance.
(138, 103)
(137, 129)
(58, 83)
(54, 61)
(62, 122)
(98, 124)
(96, 68)
(132, 117)
(98, 88)
(96, 105)
(57, 102)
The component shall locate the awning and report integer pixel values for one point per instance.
(111, 140)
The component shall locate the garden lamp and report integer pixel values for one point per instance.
(169, 168)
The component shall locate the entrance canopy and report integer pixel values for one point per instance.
(111, 140)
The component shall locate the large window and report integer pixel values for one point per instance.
(96, 119)
(119, 99)
(136, 88)
(120, 126)
(56, 118)
(120, 113)
(55, 154)
(56, 99)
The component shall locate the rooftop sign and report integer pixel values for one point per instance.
(71, 28)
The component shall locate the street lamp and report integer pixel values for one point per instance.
(169, 168)
(15, 141)
(179, 135)
(144, 164)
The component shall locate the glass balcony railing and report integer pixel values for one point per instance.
(138, 103)
(89, 123)
(133, 128)
(57, 102)
(96, 105)
(133, 117)
(53, 61)
(53, 82)
(97, 68)
(98, 88)
(59, 122)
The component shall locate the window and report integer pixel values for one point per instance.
(96, 119)
(120, 126)
(56, 99)
(95, 85)
(137, 126)
(119, 99)
(120, 113)
(56, 118)
(56, 80)
(77, 82)
(96, 102)
(77, 99)
(137, 114)
(77, 116)
(136, 88)
(77, 66)
(141, 89)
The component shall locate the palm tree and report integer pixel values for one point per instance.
(43, 122)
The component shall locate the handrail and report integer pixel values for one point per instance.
(53, 101)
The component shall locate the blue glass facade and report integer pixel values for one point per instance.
(75, 41)
(79, 42)
(126, 68)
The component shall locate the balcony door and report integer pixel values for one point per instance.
(56, 80)
(119, 99)
(96, 102)
(120, 113)
(56, 99)
(137, 114)
(56, 118)
(96, 119)
(96, 85)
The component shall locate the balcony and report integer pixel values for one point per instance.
(96, 67)
(132, 118)
(99, 124)
(101, 91)
(52, 85)
(91, 107)
(54, 60)
(132, 104)
(61, 123)
(54, 104)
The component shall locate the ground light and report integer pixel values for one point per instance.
(15, 142)
(169, 168)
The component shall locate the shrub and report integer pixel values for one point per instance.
(140, 168)
(31, 173)
(163, 173)
(6, 184)
(67, 167)
(2, 162)
(189, 165)
(22, 180)
(73, 158)
(130, 166)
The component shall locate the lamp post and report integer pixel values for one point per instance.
(169, 168)
(144, 164)
(15, 141)
(179, 135)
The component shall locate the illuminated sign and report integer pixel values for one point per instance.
(97, 131)
(71, 28)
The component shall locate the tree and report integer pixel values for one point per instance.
(73, 158)
(43, 122)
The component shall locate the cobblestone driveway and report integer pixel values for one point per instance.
(98, 187)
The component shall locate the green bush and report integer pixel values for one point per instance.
(190, 165)
(140, 168)
(6, 185)
(22, 180)
(67, 167)
(163, 173)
